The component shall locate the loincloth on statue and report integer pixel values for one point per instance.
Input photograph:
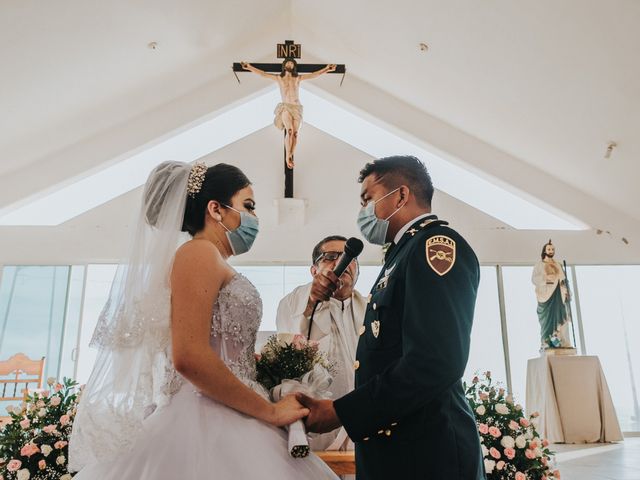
(294, 109)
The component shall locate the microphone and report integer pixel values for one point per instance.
(352, 249)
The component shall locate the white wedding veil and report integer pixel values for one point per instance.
(133, 373)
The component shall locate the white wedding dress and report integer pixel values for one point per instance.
(195, 437)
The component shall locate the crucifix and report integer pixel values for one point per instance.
(288, 113)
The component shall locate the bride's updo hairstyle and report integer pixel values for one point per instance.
(221, 182)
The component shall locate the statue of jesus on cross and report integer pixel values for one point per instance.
(288, 113)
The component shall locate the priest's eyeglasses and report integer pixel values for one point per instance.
(327, 257)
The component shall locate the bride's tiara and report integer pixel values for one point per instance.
(196, 179)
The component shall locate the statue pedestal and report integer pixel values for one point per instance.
(571, 395)
(558, 351)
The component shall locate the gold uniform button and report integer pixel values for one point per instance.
(387, 433)
(380, 432)
(374, 305)
(394, 424)
(362, 330)
(356, 365)
(366, 439)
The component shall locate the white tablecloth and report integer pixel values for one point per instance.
(573, 399)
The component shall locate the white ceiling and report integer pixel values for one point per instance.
(547, 83)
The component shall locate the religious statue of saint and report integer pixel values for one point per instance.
(554, 310)
(288, 113)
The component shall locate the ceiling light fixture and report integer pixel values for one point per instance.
(610, 147)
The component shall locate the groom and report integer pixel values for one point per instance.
(408, 414)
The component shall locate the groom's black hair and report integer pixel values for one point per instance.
(402, 170)
(221, 182)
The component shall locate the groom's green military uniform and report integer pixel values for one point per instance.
(408, 414)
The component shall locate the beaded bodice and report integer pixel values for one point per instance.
(234, 326)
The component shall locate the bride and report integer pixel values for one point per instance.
(173, 394)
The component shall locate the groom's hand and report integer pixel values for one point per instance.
(322, 416)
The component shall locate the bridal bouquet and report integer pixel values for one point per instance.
(511, 446)
(34, 446)
(287, 364)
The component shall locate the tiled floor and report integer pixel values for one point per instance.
(600, 462)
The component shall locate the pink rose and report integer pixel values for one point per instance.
(500, 465)
(524, 422)
(530, 454)
(494, 453)
(545, 443)
(25, 423)
(42, 464)
(49, 429)
(14, 465)
(533, 445)
(55, 401)
(510, 453)
(60, 444)
(556, 474)
(535, 414)
(64, 419)
(520, 476)
(495, 432)
(544, 461)
(45, 394)
(483, 428)
(299, 341)
(29, 449)
(484, 396)
(513, 425)
(475, 380)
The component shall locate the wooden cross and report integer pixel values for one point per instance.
(288, 50)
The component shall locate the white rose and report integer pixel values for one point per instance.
(502, 409)
(60, 460)
(538, 452)
(40, 404)
(489, 465)
(521, 442)
(10, 409)
(485, 450)
(55, 401)
(42, 412)
(23, 474)
(507, 442)
(66, 476)
(528, 435)
(46, 450)
(481, 410)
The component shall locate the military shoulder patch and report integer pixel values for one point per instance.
(441, 254)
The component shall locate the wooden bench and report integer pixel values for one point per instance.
(342, 463)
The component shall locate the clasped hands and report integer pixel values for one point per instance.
(322, 416)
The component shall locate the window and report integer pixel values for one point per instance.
(486, 337)
(611, 322)
(35, 302)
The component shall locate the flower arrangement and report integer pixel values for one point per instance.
(290, 363)
(287, 356)
(34, 446)
(511, 446)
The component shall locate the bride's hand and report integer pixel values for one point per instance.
(287, 411)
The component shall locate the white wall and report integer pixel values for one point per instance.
(326, 173)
